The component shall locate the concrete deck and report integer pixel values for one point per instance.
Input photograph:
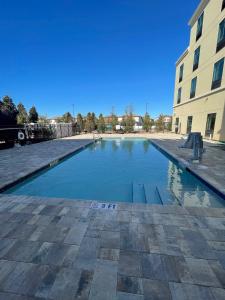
(61, 249)
(17, 163)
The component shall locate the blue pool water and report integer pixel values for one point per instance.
(121, 170)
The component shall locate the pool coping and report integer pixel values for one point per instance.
(56, 160)
(187, 166)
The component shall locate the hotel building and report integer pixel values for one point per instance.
(199, 100)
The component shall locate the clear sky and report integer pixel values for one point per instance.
(94, 54)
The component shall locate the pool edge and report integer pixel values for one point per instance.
(55, 161)
(185, 165)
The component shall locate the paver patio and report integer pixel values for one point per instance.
(62, 249)
(66, 249)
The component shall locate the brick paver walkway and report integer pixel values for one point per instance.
(61, 249)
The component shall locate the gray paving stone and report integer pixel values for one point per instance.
(44, 289)
(24, 279)
(218, 270)
(181, 291)
(6, 267)
(22, 232)
(211, 234)
(218, 294)
(84, 285)
(65, 285)
(10, 296)
(109, 254)
(53, 233)
(202, 273)
(104, 281)
(130, 264)
(152, 267)
(132, 285)
(76, 233)
(126, 296)
(133, 240)
(88, 253)
(22, 251)
(6, 228)
(56, 254)
(176, 268)
(5, 246)
(194, 245)
(110, 239)
(156, 290)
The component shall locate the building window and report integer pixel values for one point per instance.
(189, 124)
(193, 87)
(179, 95)
(199, 27)
(181, 73)
(196, 58)
(221, 36)
(210, 125)
(177, 125)
(223, 5)
(217, 74)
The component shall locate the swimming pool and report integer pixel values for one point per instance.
(120, 170)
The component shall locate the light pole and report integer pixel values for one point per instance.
(146, 108)
(73, 113)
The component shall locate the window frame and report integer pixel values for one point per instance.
(211, 119)
(223, 5)
(199, 26)
(189, 128)
(181, 74)
(216, 83)
(220, 44)
(193, 92)
(179, 95)
(196, 65)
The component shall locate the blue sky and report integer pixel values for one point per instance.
(94, 54)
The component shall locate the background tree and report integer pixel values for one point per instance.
(43, 120)
(67, 118)
(114, 122)
(147, 122)
(33, 115)
(80, 122)
(94, 120)
(8, 111)
(89, 124)
(129, 123)
(22, 116)
(160, 123)
(101, 124)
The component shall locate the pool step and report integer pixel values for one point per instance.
(151, 194)
(166, 196)
(138, 193)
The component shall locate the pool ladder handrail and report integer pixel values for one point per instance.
(96, 134)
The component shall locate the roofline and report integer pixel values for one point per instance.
(198, 12)
(185, 53)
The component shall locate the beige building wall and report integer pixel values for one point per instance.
(206, 100)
